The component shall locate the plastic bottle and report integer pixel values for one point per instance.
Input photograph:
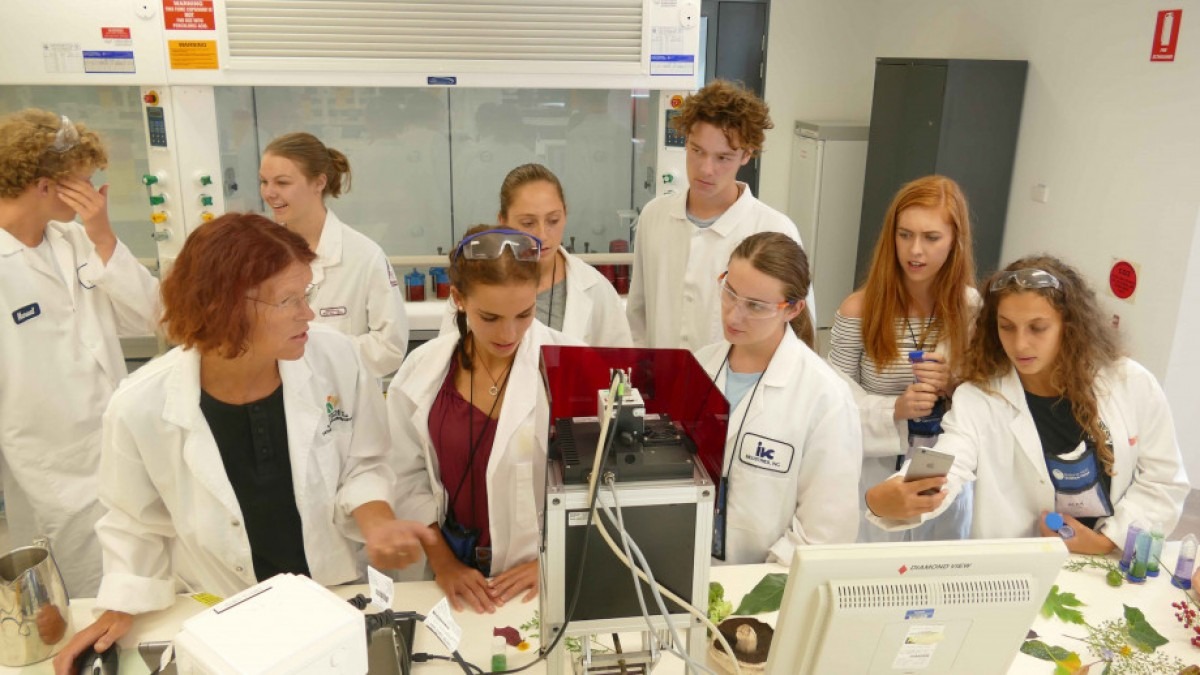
(414, 286)
(1054, 521)
(1187, 561)
(441, 282)
(930, 425)
(1130, 544)
(1156, 544)
(499, 654)
(1141, 554)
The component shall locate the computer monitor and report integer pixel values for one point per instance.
(912, 607)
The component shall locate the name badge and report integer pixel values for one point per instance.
(766, 453)
(31, 311)
(333, 311)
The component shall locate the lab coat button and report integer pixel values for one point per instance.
(238, 569)
(234, 523)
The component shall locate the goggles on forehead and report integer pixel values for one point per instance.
(66, 137)
(1027, 278)
(490, 244)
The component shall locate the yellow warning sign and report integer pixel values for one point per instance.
(193, 54)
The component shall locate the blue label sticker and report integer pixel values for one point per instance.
(918, 614)
(31, 311)
(108, 62)
(444, 81)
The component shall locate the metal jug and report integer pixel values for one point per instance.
(34, 620)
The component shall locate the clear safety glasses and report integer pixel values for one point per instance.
(490, 245)
(66, 137)
(754, 309)
(1027, 278)
(292, 303)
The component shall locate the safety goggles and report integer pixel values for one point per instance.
(292, 303)
(66, 137)
(490, 244)
(1026, 278)
(754, 309)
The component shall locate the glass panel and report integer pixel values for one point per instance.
(583, 136)
(396, 141)
(116, 114)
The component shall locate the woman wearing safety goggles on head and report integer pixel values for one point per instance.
(68, 291)
(793, 451)
(356, 288)
(1050, 417)
(573, 297)
(469, 417)
(899, 338)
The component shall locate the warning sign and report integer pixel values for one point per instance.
(1166, 35)
(189, 15)
(1122, 279)
(193, 54)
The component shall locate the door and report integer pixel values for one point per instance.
(736, 51)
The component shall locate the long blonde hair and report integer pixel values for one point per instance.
(1087, 345)
(884, 296)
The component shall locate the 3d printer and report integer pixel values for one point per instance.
(665, 437)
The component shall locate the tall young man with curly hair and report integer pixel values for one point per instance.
(685, 239)
(67, 290)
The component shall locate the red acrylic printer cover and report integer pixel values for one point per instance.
(670, 381)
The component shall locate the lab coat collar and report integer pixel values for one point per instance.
(9, 244)
(1022, 426)
(781, 372)
(729, 220)
(329, 248)
(576, 282)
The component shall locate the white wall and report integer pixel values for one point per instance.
(1115, 137)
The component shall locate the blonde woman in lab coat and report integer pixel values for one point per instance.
(257, 447)
(357, 290)
(794, 450)
(1050, 417)
(469, 417)
(68, 291)
(573, 297)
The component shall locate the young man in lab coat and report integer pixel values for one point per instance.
(67, 290)
(684, 239)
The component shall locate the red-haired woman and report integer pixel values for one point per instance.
(919, 297)
(257, 447)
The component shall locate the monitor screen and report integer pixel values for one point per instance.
(912, 607)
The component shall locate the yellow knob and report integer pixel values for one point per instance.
(158, 217)
(207, 216)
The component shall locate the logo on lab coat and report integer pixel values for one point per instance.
(31, 311)
(766, 453)
(335, 413)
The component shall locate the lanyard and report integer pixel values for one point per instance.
(727, 464)
(924, 331)
(474, 441)
(720, 507)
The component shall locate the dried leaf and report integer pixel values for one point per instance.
(764, 597)
(1060, 604)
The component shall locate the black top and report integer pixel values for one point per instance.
(253, 442)
(1060, 434)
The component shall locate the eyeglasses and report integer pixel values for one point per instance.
(1027, 278)
(66, 137)
(754, 309)
(490, 245)
(291, 303)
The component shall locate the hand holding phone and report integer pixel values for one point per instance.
(928, 463)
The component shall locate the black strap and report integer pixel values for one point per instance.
(475, 442)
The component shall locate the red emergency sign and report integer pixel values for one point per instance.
(1166, 35)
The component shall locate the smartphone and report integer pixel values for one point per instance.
(928, 463)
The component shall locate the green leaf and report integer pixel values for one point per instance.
(765, 597)
(1141, 634)
(1040, 650)
(1060, 604)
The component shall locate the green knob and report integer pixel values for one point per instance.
(206, 180)
(156, 200)
(206, 200)
(149, 179)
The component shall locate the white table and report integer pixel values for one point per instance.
(1102, 602)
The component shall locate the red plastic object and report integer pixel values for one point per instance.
(670, 381)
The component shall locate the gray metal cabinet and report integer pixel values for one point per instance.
(955, 117)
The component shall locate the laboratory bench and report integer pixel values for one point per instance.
(1101, 603)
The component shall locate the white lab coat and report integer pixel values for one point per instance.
(61, 365)
(673, 296)
(174, 523)
(806, 493)
(995, 444)
(516, 472)
(358, 294)
(593, 315)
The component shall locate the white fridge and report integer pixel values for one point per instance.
(829, 160)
